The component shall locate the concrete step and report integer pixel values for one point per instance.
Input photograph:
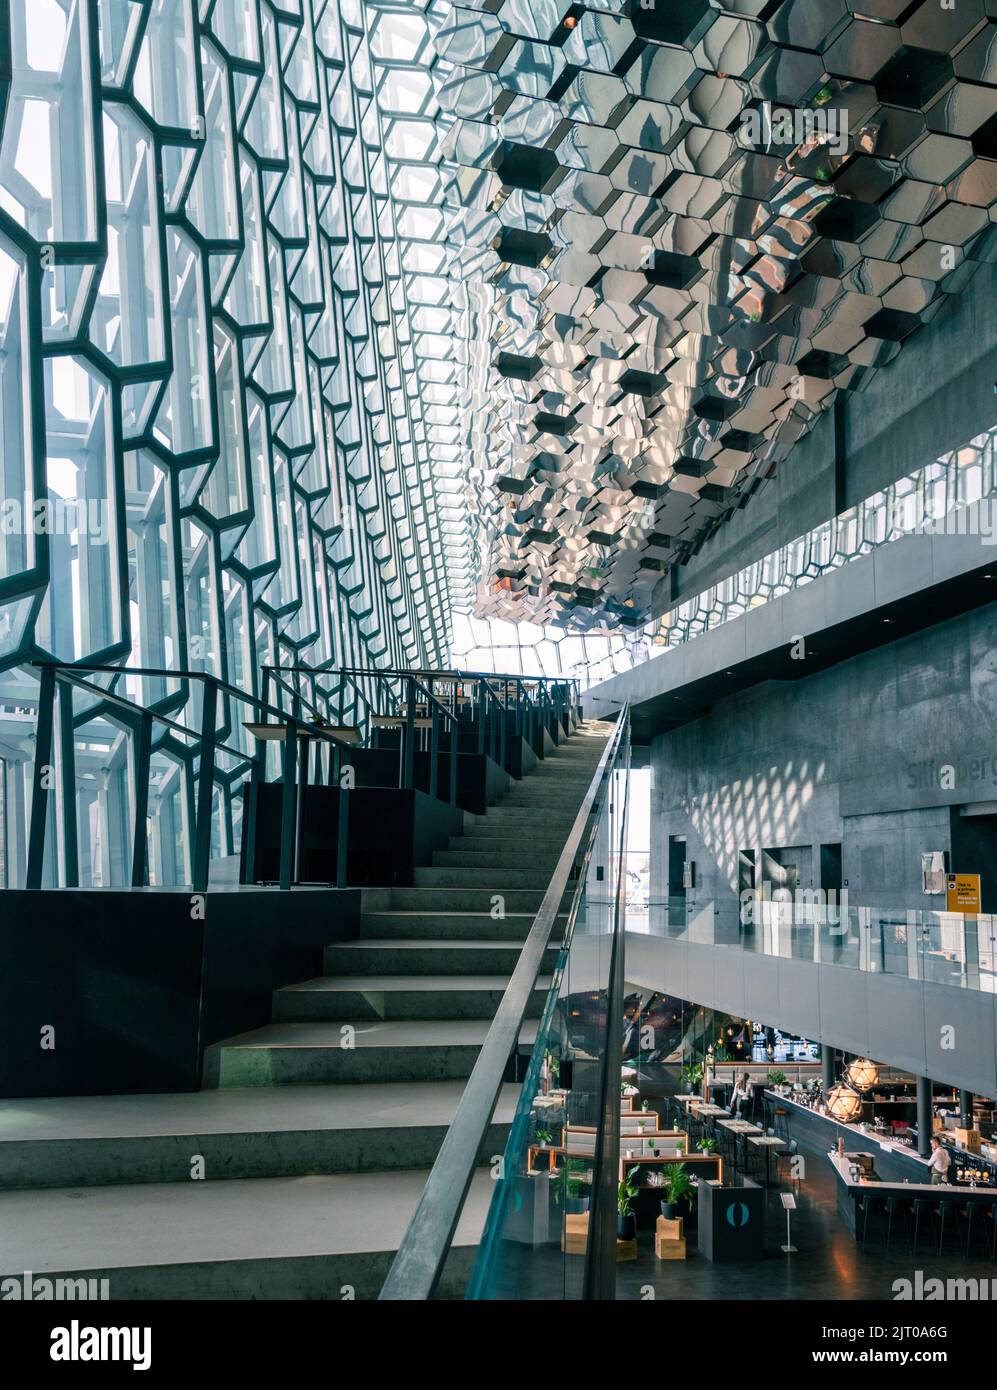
(483, 956)
(551, 794)
(470, 899)
(276, 1238)
(450, 926)
(301, 1054)
(481, 858)
(477, 876)
(361, 997)
(569, 770)
(500, 837)
(290, 1131)
(558, 823)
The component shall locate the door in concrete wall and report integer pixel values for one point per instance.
(676, 880)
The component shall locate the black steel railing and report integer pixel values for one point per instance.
(203, 746)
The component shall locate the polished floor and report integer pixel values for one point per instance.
(829, 1264)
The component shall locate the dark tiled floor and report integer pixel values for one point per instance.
(830, 1264)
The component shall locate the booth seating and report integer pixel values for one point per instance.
(639, 1122)
(580, 1141)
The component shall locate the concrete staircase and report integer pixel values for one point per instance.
(325, 1122)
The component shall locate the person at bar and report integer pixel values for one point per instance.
(939, 1161)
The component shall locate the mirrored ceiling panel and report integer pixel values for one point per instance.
(667, 234)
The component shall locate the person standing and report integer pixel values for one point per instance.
(939, 1161)
(741, 1095)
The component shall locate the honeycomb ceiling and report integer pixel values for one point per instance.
(650, 302)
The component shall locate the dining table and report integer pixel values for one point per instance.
(770, 1143)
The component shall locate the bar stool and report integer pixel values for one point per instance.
(894, 1205)
(971, 1210)
(949, 1211)
(780, 1121)
(922, 1206)
(871, 1203)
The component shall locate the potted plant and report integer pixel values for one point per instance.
(626, 1221)
(576, 1196)
(777, 1079)
(692, 1075)
(543, 1137)
(678, 1188)
(706, 1146)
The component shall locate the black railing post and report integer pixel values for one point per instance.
(302, 742)
(481, 716)
(342, 835)
(287, 817)
(41, 778)
(408, 752)
(67, 771)
(454, 750)
(250, 806)
(140, 838)
(434, 752)
(205, 787)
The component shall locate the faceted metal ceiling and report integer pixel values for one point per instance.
(650, 301)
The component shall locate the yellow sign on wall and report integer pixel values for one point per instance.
(962, 893)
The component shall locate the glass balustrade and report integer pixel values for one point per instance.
(949, 948)
(543, 1206)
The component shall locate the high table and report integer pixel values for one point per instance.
(768, 1142)
(736, 1127)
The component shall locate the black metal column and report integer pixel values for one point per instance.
(826, 1067)
(966, 1109)
(923, 1116)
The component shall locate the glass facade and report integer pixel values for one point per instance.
(222, 413)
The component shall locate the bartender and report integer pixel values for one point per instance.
(939, 1162)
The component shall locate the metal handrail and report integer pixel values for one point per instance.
(599, 1279)
(419, 1260)
(73, 674)
(278, 671)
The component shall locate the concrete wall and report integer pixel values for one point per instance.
(872, 754)
(935, 395)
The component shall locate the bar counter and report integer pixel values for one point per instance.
(852, 1191)
(895, 1162)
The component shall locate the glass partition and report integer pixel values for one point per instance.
(536, 1236)
(949, 948)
